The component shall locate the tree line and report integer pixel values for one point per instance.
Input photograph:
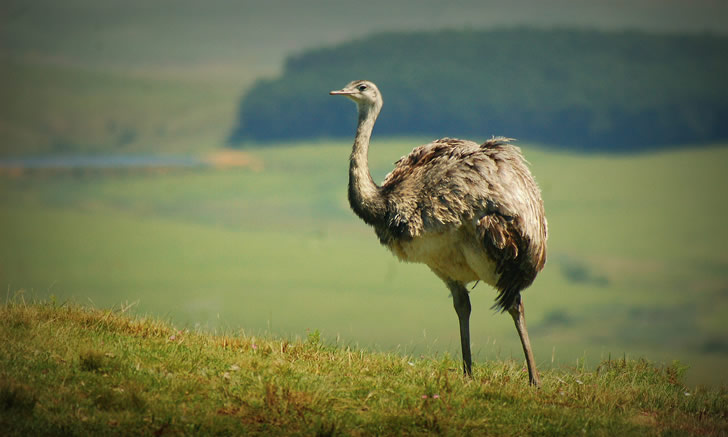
(579, 89)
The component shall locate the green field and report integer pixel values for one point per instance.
(637, 261)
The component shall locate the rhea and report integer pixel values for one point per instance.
(470, 212)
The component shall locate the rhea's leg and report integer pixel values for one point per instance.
(461, 302)
(519, 318)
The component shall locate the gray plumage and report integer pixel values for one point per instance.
(469, 211)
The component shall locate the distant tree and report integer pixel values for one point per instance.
(580, 89)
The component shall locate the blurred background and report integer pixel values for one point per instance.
(185, 159)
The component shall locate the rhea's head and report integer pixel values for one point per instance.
(362, 92)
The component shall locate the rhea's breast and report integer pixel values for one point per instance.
(453, 255)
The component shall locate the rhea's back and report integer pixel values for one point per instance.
(484, 192)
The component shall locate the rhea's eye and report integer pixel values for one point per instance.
(361, 87)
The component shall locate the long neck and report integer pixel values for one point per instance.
(364, 195)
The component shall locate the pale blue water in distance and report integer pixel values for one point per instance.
(108, 161)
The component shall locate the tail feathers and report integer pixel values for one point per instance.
(506, 299)
(514, 277)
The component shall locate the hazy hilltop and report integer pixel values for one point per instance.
(259, 35)
(584, 90)
(82, 76)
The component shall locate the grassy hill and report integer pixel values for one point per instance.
(112, 374)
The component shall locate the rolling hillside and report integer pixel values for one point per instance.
(636, 255)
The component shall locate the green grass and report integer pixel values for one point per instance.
(637, 262)
(114, 374)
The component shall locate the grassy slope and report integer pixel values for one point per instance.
(113, 374)
(279, 251)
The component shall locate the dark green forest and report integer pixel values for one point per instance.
(578, 89)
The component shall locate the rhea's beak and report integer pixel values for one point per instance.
(342, 92)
